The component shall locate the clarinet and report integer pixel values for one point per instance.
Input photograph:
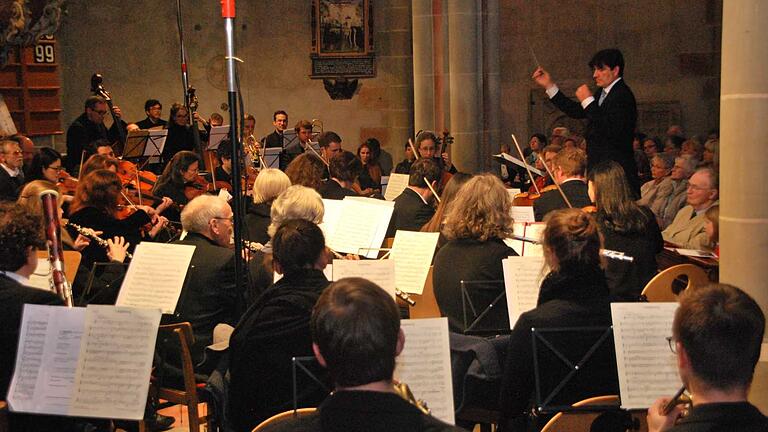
(92, 235)
(50, 201)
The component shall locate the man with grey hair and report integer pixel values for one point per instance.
(688, 228)
(11, 176)
(210, 295)
(674, 199)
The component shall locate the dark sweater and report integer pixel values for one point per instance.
(257, 219)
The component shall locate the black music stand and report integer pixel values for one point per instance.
(470, 304)
(110, 274)
(303, 363)
(543, 343)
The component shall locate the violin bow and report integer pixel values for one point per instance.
(527, 168)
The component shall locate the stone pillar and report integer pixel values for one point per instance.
(743, 158)
(465, 54)
(423, 68)
(491, 137)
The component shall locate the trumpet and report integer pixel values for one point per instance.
(252, 148)
(88, 232)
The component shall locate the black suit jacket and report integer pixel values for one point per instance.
(10, 186)
(610, 129)
(575, 190)
(330, 189)
(81, 134)
(410, 213)
(147, 123)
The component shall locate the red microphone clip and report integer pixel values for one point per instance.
(227, 8)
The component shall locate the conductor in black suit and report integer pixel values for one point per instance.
(611, 111)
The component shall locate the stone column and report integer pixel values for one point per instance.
(423, 68)
(743, 158)
(491, 138)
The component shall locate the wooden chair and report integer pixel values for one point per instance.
(662, 287)
(426, 304)
(189, 396)
(283, 417)
(582, 420)
(71, 262)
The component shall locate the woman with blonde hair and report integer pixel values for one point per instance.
(475, 226)
(270, 183)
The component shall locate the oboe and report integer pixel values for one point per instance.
(50, 202)
(92, 235)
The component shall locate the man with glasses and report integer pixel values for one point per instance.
(88, 128)
(717, 333)
(688, 228)
(154, 110)
(11, 176)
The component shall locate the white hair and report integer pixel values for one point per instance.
(296, 202)
(270, 183)
(688, 164)
(198, 212)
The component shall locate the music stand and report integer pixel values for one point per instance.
(302, 363)
(272, 156)
(469, 306)
(218, 133)
(541, 337)
(102, 268)
(145, 143)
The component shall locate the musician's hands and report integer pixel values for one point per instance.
(148, 210)
(447, 161)
(583, 92)
(116, 111)
(166, 202)
(542, 78)
(117, 248)
(197, 117)
(352, 257)
(159, 224)
(81, 242)
(657, 421)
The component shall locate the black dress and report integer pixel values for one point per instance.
(569, 298)
(471, 260)
(179, 138)
(272, 331)
(98, 220)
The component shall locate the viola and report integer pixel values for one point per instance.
(525, 199)
(197, 187)
(66, 184)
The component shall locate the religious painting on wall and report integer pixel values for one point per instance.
(342, 39)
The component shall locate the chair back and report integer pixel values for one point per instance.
(580, 420)
(662, 287)
(426, 304)
(71, 263)
(284, 417)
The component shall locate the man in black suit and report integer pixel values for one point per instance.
(612, 112)
(412, 207)
(88, 128)
(345, 168)
(154, 110)
(568, 170)
(11, 175)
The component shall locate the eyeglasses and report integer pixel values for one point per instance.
(15, 153)
(697, 188)
(231, 218)
(101, 113)
(55, 168)
(671, 342)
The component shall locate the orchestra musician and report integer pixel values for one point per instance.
(573, 294)
(46, 165)
(88, 128)
(223, 172)
(182, 170)
(626, 227)
(345, 169)
(179, 133)
(306, 170)
(11, 174)
(154, 110)
(370, 175)
(476, 224)
(97, 162)
(568, 168)
(449, 194)
(426, 144)
(413, 207)
(275, 139)
(104, 148)
(269, 184)
(404, 166)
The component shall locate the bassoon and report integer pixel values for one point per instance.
(50, 200)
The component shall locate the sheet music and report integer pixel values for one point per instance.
(361, 227)
(518, 162)
(46, 361)
(522, 279)
(693, 252)
(42, 276)
(425, 364)
(113, 372)
(396, 185)
(646, 366)
(218, 133)
(331, 215)
(534, 231)
(380, 272)
(522, 213)
(412, 252)
(156, 276)
(512, 192)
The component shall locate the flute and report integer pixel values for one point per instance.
(87, 232)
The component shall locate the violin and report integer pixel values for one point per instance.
(139, 183)
(67, 184)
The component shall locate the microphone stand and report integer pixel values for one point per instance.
(228, 13)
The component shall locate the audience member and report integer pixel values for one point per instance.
(269, 184)
(652, 147)
(654, 193)
(711, 155)
(673, 145)
(569, 168)
(675, 199)
(475, 225)
(716, 337)
(712, 228)
(413, 207)
(687, 229)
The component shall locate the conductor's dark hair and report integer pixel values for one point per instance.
(326, 138)
(150, 103)
(721, 329)
(278, 112)
(345, 166)
(355, 325)
(421, 169)
(297, 245)
(610, 57)
(19, 229)
(91, 101)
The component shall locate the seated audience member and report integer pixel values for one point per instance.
(270, 183)
(210, 295)
(345, 168)
(356, 336)
(98, 162)
(693, 148)
(712, 228)
(11, 174)
(673, 145)
(653, 193)
(413, 207)
(404, 167)
(306, 170)
(675, 200)
(569, 167)
(711, 155)
(687, 229)
(276, 328)
(21, 235)
(717, 333)
(476, 225)
(370, 174)
(652, 147)
(573, 294)
(449, 195)
(642, 161)
(626, 227)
